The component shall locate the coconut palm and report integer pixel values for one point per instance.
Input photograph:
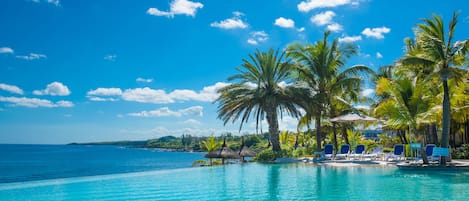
(262, 90)
(436, 49)
(404, 105)
(210, 145)
(319, 67)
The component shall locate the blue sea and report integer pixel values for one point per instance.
(111, 173)
(40, 162)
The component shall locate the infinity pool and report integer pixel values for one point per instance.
(251, 182)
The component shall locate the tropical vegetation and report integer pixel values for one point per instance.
(426, 89)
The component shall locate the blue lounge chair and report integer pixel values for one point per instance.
(439, 152)
(377, 152)
(429, 150)
(328, 151)
(398, 153)
(359, 151)
(344, 151)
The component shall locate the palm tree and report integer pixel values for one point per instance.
(263, 90)
(319, 68)
(404, 105)
(439, 51)
(210, 145)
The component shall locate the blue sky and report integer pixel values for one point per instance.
(101, 70)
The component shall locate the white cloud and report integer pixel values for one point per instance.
(110, 57)
(252, 41)
(238, 14)
(157, 96)
(284, 22)
(53, 89)
(231, 23)
(192, 121)
(379, 55)
(334, 27)
(163, 131)
(93, 95)
(178, 7)
(105, 92)
(308, 5)
(367, 92)
(144, 80)
(147, 95)
(377, 33)
(11, 88)
(207, 94)
(6, 50)
(258, 36)
(166, 112)
(301, 29)
(156, 12)
(349, 39)
(323, 18)
(32, 56)
(35, 102)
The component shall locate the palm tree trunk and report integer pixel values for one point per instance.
(335, 137)
(344, 134)
(466, 131)
(272, 119)
(446, 119)
(434, 134)
(318, 132)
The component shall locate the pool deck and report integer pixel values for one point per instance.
(455, 164)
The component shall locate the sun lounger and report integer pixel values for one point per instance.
(398, 153)
(439, 152)
(328, 151)
(344, 152)
(375, 154)
(359, 152)
(429, 150)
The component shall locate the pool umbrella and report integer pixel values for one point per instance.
(245, 151)
(351, 117)
(224, 153)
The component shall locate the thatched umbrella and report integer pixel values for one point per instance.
(224, 153)
(245, 151)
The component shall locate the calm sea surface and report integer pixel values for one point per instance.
(39, 162)
(161, 178)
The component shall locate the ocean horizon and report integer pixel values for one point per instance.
(31, 162)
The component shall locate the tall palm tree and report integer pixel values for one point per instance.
(319, 66)
(439, 51)
(263, 90)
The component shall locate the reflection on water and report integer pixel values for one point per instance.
(252, 182)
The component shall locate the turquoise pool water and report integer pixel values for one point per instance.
(251, 182)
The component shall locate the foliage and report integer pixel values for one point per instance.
(268, 155)
(319, 70)
(258, 92)
(435, 51)
(461, 152)
(200, 163)
(210, 144)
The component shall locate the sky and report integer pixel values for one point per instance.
(105, 70)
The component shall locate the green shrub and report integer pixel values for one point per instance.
(461, 152)
(268, 155)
